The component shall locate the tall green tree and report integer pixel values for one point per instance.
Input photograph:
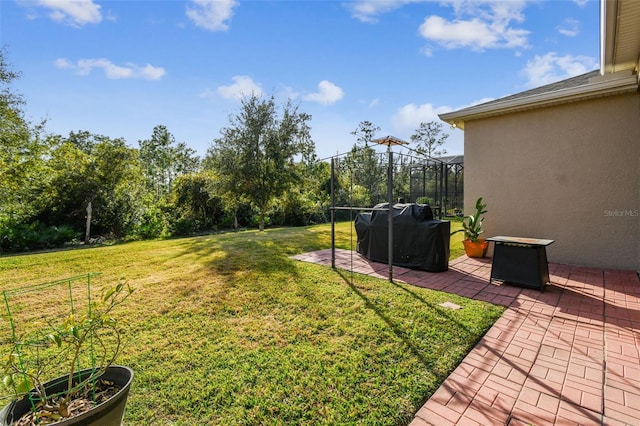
(23, 151)
(163, 159)
(256, 154)
(309, 200)
(100, 189)
(362, 167)
(222, 184)
(193, 204)
(318, 184)
(64, 198)
(120, 185)
(365, 133)
(428, 138)
(85, 141)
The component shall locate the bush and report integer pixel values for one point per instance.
(183, 227)
(35, 236)
(297, 209)
(63, 234)
(152, 225)
(246, 217)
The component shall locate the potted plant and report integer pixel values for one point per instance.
(60, 366)
(472, 228)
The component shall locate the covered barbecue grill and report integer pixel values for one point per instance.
(419, 240)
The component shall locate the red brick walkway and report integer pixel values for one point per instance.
(568, 356)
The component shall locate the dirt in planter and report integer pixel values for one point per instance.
(54, 410)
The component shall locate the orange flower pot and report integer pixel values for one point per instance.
(475, 249)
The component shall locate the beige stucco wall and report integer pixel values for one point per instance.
(570, 173)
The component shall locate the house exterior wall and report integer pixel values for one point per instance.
(570, 173)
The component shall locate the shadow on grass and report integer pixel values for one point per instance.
(266, 253)
(428, 360)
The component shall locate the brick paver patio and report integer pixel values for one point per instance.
(567, 356)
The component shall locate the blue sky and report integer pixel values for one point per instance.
(119, 68)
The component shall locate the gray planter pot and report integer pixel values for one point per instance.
(109, 413)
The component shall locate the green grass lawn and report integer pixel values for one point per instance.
(227, 329)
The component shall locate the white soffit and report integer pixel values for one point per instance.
(621, 44)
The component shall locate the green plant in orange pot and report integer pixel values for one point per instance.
(474, 246)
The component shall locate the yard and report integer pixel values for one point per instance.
(227, 329)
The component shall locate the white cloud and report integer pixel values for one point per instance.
(550, 68)
(474, 33)
(570, 27)
(427, 51)
(149, 72)
(372, 103)
(73, 12)
(367, 10)
(63, 63)
(212, 15)
(478, 25)
(287, 92)
(501, 12)
(581, 2)
(111, 70)
(328, 93)
(242, 86)
(408, 118)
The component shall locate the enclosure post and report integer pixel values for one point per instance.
(411, 199)
(446, 188)
(424, 182)
(390, 213)
(441, 189)
(333, 218)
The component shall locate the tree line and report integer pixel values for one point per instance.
(260, 171)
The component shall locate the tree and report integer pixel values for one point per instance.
(318, 185)
(22, 154)
(428, 137)
(255, 156)
(163, 160)
(84, 140)
(309, 200)
(223, 184)
(364, 133)
(64, 198)
(362, 166)
(119, 183)
(193, 203)
(100, 188)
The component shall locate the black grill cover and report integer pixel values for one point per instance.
(419, 241)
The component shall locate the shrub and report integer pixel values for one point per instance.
(152, 225)
(183, 227)
(35, 236)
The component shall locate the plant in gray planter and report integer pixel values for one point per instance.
(60, 364)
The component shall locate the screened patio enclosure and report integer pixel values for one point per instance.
(378, 187)
(439, 182)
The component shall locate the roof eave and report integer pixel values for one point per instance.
(608, 32)
(604, 86)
